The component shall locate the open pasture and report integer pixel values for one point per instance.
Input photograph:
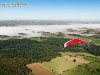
(60, 64)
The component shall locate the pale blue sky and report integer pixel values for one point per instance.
(52, 10)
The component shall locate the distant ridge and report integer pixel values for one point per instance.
(43, 22)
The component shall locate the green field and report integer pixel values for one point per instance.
(91, 69)
(85, 39)
(77, 71)
(96, 41)
(94, 66)
(92, 59)
(59, 64)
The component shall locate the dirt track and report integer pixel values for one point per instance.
(39, 69)
(77, 59)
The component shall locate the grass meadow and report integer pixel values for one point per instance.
(59, 64)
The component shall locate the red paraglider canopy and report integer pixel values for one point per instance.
(74, 41)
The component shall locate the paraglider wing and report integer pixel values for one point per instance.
(70, 42)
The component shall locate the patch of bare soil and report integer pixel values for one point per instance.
(90, 40)
(39, 69)
(81, 60)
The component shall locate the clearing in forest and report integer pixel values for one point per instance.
(81, 60)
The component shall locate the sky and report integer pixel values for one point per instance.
(81, 10)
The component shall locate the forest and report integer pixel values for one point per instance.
(25, 51)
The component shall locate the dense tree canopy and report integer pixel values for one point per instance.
(16, 53)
